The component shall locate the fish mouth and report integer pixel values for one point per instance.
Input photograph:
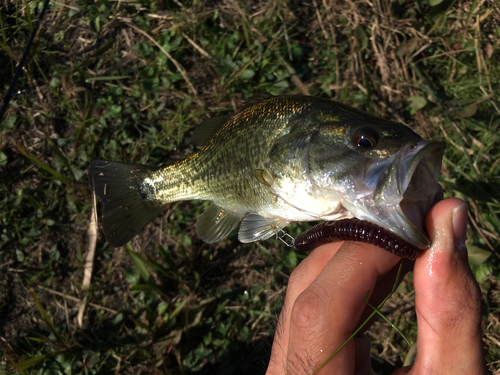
(405, 187)
(420, 188)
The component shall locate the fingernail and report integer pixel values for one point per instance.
(459, 221)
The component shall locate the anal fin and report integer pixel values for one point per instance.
(216, 223)
(256, 227)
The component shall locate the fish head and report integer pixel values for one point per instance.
(344, 163)
(385, 174)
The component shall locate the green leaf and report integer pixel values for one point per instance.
(173, 338)
(482, 272)
(433, 3)
(477, 256)
(138, 261)
(10, 122)
(290, 259)
(417, 102)
(3, 158)
(408, 47)
(467, 111)
(55, 82)
(247, 74)
(361, 38)
(162, 308)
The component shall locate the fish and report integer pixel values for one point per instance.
(281, 159)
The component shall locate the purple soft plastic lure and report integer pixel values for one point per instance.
(355, 230)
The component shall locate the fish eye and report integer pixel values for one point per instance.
(364, 140)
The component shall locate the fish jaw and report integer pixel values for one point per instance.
(400, 191)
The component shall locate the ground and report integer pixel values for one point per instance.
(129, 81)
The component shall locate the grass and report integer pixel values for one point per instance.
(129, 81)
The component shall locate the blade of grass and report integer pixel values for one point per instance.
(105, 78)
(167, 258)
(47, 319)
(28, 16)
(140, 324)
(36, 339)
(79, 139)
(44, 166)
(158, 267)
(60, 154)
(244, 25)
(179, 308)
(387, 320)
(472, 10)
(139, 263)
(30, 362)
(146, 287)
(11, 362)
(2, 30)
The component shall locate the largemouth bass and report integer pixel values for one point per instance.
(282, 159)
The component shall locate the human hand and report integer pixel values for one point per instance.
(325, 303)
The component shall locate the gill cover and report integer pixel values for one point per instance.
(288, 164)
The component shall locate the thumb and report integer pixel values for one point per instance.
(447, 297)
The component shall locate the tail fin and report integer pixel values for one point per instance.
(126, 208)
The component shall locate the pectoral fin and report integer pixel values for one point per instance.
(264, 177)
(256, 227)
(216, 223)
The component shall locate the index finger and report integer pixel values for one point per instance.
(324, 314)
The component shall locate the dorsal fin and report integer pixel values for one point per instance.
(207, 129)
(257, 97)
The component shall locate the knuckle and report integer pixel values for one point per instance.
(307, 311)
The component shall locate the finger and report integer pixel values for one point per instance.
(403, 371)
(325, 314)
(362, 347)
(447, 297)
(302, 276)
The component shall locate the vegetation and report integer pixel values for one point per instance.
(128, 81)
